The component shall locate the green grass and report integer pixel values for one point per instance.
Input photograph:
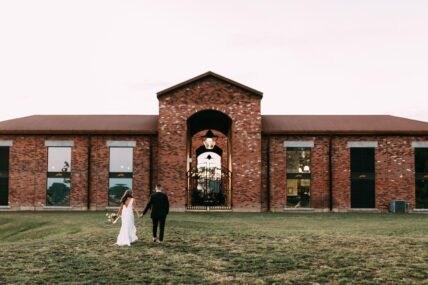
(212, 248)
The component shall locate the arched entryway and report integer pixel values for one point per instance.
(209, 161)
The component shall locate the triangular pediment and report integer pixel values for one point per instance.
(207, 75)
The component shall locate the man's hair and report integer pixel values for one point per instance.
(158, 187)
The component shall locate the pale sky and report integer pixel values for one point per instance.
(307, 57)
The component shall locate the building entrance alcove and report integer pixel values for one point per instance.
(209, 176)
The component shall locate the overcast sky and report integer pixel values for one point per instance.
(308, 57)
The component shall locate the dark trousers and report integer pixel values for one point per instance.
(161, 223)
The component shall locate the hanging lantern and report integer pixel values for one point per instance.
(209, 140)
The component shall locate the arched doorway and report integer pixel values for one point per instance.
(209, 184)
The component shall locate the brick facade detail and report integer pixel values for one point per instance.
(243, 108)
(29, 163)
(394, 171)
(394, 166)
(257, 160)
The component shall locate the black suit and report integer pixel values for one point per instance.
(160, 208)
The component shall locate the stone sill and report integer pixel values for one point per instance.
(208, 210)
(57, 207)
(4, 207)
(364, 210)
(299, 210)
(112, 208)
(420, 210)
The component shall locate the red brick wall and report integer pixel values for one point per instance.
(320, 194)
(341, 173)
(394, 166)
(28, 171)
(395, 171)
(319, 171)
(244, 110)
(265, 196)
(154, 162)
(100, 169)
(277, 173)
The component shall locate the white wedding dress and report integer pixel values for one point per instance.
(128, 232)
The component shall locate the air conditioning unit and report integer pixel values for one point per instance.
(398, 206)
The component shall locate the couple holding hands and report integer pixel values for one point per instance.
(159, 205)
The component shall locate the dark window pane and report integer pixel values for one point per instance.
(58, 192)
(422, 194)
(121, 175)
(59, 159)
(421, 160)
(4, 174)
(298, 193)
(363, 177)
(121, 159)
(298, 160)
(117, 187)
(59, 174)
(4, 191)
(4, 160)
(298, 176)
(362, 193)
(362, 160)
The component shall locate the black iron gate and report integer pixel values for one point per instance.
(209, 188)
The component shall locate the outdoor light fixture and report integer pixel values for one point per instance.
(209, 140)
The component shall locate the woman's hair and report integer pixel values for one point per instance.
(128, 194)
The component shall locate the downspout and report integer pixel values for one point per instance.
(330, 174)
(268, 174)
(89, 173)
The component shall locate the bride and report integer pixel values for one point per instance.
(128, 232)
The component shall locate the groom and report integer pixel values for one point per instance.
(160, 207)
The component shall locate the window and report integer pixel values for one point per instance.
(120, 176)
(298, 177)
(59, 176)
(4, 176)
(362, 177)
(421, 168)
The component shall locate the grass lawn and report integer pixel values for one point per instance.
(205, 248)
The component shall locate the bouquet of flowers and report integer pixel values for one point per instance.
(111, 218)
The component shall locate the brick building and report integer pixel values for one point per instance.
(211, 149)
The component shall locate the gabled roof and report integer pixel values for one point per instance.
(81, 124)
(271, 124)
(342, 124)
(209, 74)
